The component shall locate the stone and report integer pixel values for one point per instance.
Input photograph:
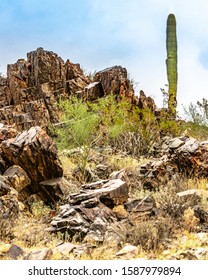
(2, 165)
(64, 248)
(190, 146)
(76, 81)
(43, 254)
(15, 252)
(7, 132)
(128, 252)
(114, 80)
(35, 152)
(118, 175)
(85, 248)
(93, 91)
(113, 192)
(176, 143)
(70, 221)
(5, 186)
(199, 193)
(141, 205)
(17, 177)
(146, 102)
(54, 189)
(31, 199)
(9, 207)
(94, 185)
(201, 214)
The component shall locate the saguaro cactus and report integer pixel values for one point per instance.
(171, 63)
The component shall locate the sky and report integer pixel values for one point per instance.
(103, 33)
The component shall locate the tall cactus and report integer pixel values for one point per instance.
(171, 63)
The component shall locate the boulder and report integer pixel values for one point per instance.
(76, 81)
(64, 248)
(127, 252)
(146, 102)
(15, 252)
(93, 91)
(89, 212)
(54, 189)
(3, 92)
(114, 80)
(43, 254)
(17, 177)
(114, 192)
(35, 152)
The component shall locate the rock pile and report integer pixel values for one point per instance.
(94, 214)
(178, 156)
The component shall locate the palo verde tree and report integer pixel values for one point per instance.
(171, 63)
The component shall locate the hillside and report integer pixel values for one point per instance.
(89, 169)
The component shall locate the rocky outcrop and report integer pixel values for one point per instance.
(29, 94)
(115, 81)
(33, 86)
(179, 156)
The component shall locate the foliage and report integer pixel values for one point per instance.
(197, 113)
(39, 209)
(150, 234)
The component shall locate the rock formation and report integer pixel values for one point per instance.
(29, 94)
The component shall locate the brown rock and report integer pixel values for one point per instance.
(114, 192)
(76, 81)
(15, 252)
(115, 81)
(43, 254)
(36, 153)
(3, 92)
(7, 132)
(9, 206)
(17, 177)
(54, 189)
(5, 186)
(146, 102)
(127, 252)
(93, 91)
(180, 156)
(64, 248)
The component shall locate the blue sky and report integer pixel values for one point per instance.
(102, 33)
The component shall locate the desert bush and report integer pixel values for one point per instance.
(197, 113)
(171, 203)
(151, 234)
(39, 209)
